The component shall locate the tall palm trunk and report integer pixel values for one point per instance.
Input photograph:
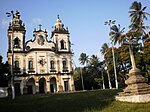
(110, 86)
(103, 79)
(116, 81)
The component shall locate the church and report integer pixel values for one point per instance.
(42, 64)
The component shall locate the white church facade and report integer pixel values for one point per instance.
(40, 65)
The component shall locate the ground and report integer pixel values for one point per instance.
(84, 101)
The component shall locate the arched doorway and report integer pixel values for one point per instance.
(42, 85)
(31, 89)
(53, 85)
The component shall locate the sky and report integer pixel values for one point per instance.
(84, 18)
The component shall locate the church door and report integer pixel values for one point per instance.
(42, 85)
(53, 85)
(66, 85)
(29, 89)
(52, 88)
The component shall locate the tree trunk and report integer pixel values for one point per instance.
(116, 81)
(103, 79)
(110, 86)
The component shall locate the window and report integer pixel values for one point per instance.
(16, 43)
(16, 67)
(30, 64)
(64, 62)
(16, 64)
(52, 64)
(63, 44)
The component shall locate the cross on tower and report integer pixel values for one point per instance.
(40, 26)
(58, 16)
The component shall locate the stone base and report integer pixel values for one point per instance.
(134, 98)
(137, 90)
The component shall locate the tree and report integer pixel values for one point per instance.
(4, 73)
(122, 63)
(90, 73)
(138, 15)
(117, 34)
(94, 69)
(146, 58)
(83, 60)
(77, 78)
(104, 50)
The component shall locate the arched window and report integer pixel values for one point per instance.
(64, 63)
(16, 64)
(16, 43)
(30, 64)
(63, 44)
(52, 64)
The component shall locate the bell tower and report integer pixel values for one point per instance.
(60, 36)
(16, 33)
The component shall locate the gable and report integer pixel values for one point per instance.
(40, 42)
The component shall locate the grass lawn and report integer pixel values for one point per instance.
(87, 101)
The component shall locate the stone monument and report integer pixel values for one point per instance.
(137, 90)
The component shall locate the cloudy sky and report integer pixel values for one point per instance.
(84, 18)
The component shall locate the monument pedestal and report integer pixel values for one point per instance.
(137, 89)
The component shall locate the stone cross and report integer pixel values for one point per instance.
(40, 26)
(130, 43)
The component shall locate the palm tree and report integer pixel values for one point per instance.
(104, 51)
(110, 23)
(117, 35)
(94, 60)
(94, 65)
(83, 60)
(138, 15)
(102, 72)
(94, 68)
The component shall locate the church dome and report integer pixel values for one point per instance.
(59, 25)
(16, 22)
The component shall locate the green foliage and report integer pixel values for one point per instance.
(83, 58)
(99, 81)
(116, 34)
(146, 58)
(90, 72)
(4, 73)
